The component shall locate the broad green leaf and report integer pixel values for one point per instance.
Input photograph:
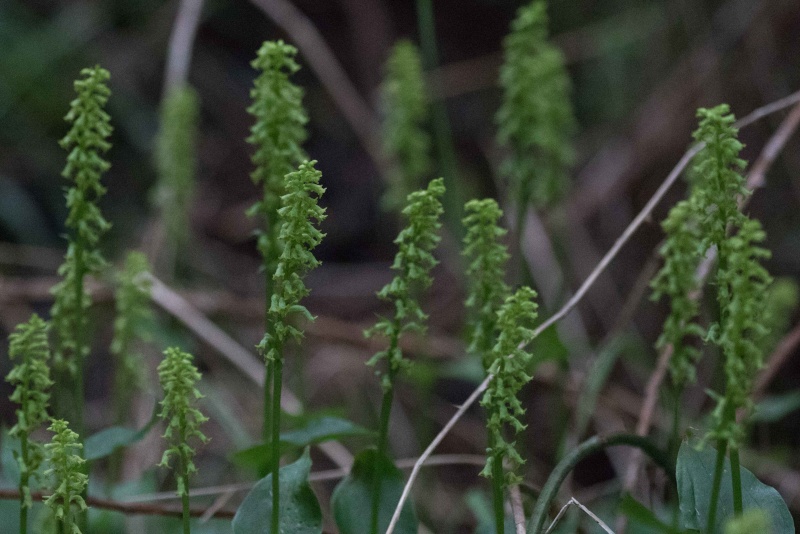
(315, 430)
(300, 511)
(639, 513)
(105, 442)
(323, 429)
(352, 499)
(695, 473)
(776, 407)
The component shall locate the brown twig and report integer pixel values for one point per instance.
(179, 53)
(125, 507)
(787, 346)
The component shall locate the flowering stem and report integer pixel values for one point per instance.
(497, 489)
(722, 446)
(383, 438)
(277, 377)
(24, 477)
(736, 481)
(184, 475)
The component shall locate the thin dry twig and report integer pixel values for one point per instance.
(179, 53)
(574, 502)
(786, 347)
(581, 292)
(124, 507)
(428, 451)
(330, 72)
(515, 496)
(317, 476)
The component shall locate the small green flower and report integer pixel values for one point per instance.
(742, 282)
(535, 120)
(277, 135)
(515, 323)
(405, 140)
(86, 141)
(414, 260)
(301, 214)
(682, 252)
(487, 258)
(31, 378)
(178, 376)
(69, 481)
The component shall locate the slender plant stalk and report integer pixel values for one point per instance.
(498, 490)
(275, 439)
(414, 260)
(277, 135)
(719, 466)
(736, 480)
(300, 215)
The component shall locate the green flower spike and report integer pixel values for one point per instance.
(178, 376)
(535, 120)
(742, 286)
(742, 282)
(406, 142)
(31, 378)
(86, 140)
(132, 323)
(515, 324)
(413, 260)
(277, 135)
(677, 280)
(487, 258)
(69, 481)
(177, 162)
(300, 216)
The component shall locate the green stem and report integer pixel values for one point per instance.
(23, 484)
(587, 448)
(268, 379)
(719, 466)
(185, 506)
(276, 439)
(383, 439)
(442, 132)
(736, 481)
(497, 494)
(77, 421)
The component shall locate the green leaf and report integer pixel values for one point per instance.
(695, 473)
(639, 513)
(105, 442)
(315, 430)
(322, 429)
(776, 407)
(300, 511)
(352, 498)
